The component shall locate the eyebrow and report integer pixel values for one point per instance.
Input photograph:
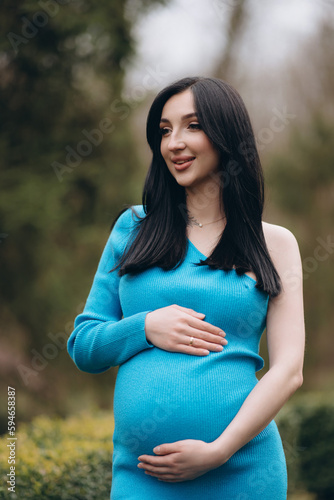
(184, 117)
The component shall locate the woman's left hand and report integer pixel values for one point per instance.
(181, 461)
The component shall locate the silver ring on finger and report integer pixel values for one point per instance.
(191, 341)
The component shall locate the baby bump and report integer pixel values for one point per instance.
(164, 397)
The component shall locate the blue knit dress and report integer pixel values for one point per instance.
(162, 397)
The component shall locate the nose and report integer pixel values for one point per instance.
(175, 142)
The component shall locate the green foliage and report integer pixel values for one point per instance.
(62, 64)
(316, 436)
(307, 430)
(72, 459)
(301, 177)
(61, 459)
(301, 184)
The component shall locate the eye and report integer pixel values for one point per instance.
(195, 126)
(164, 130)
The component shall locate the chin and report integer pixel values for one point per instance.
(189, 183)
(185, 184)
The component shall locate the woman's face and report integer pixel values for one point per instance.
(188, 152)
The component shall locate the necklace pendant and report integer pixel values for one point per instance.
(194, 222)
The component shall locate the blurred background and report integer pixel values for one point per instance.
(77, 78)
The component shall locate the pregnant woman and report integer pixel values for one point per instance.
(185, 287)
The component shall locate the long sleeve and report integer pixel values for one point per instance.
(101, 337)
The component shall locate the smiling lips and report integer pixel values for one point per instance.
(182, 162)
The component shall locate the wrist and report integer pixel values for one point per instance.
(219, 452)
(146, 327)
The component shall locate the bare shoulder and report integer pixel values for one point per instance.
(282, 244)
(278, 236)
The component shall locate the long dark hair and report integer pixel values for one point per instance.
(161, 238)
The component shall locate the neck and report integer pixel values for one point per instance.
(202, 207)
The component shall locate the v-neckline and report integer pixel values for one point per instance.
(205, 257)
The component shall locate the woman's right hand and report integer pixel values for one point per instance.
(179, 329)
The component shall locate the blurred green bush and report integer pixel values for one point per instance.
(61, 459)
(70, 459)
(307, 431)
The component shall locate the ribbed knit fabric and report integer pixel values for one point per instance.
(162, 397)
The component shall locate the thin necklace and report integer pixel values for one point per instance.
(199, 224)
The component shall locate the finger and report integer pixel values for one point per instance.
(198, 344)
(150, 459)
(194, 351)
(207, 337)
(212, 333)
(189, 311)
(207, 328)
(154, 470)
(196, 338)
(170, 479)
(154, 461)
(165, 477)
(161, 451)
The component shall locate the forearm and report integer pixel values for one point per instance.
(96, 345)
(257, 411)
